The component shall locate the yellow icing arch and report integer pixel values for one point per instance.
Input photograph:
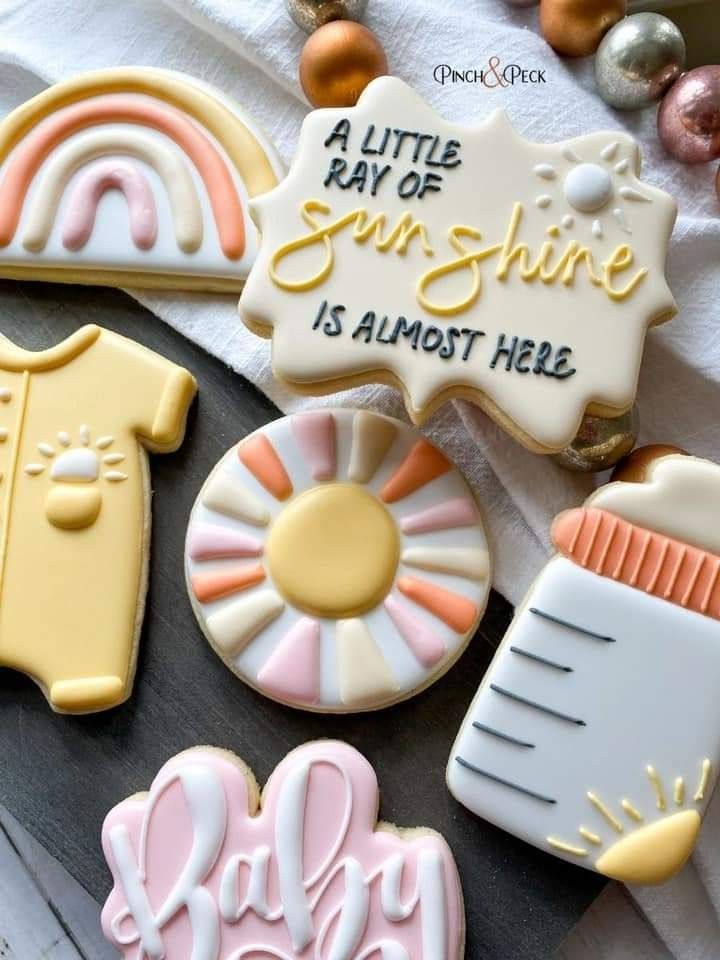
(241, 145)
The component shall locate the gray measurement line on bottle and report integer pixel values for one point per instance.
(505, 783)
(500, 735)
(571, 626)
(544, 660)
(538, 706)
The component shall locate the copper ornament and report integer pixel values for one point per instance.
(338, 61)
(634, 468)
(689, 116)
(574, 28)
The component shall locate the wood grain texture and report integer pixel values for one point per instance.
(60, 775)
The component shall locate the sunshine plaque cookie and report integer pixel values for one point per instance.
(457, 261)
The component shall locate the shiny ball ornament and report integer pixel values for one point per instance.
(338, 61)
(638, 59)
(574, 28)
(689, 116)
(311, 14)
(599, 444)
(634, 468)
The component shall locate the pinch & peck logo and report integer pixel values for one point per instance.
(493, 76)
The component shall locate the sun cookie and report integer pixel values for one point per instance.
(336, 560)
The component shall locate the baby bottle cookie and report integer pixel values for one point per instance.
(205, 867)
(76, 422)
(336, 560)
(595, 734)
(455, 261)
(131, 176)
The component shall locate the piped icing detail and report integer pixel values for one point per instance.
(334, 556)
(201, 831)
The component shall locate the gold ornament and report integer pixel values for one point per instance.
(338, 61)
(311, 14)
(574, 28)
(634, 468)
(600, 443)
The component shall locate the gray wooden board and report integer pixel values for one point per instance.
(60, 775)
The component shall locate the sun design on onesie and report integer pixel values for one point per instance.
(74, 499)
(336, 560)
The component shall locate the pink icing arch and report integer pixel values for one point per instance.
(95, 181)
(307, 876)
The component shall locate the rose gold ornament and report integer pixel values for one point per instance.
(574, 28)
(689, 116)
(338, 61)
(634, 468)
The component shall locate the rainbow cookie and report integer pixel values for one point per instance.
(131, 176)
(76, 423)
(336, 561)
(596, 732)
(461, 262)
(204, 867)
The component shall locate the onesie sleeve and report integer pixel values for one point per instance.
(155, 392)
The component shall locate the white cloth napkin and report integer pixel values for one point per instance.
(250, 49)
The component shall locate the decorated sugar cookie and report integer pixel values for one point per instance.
(131, 176)
(76, 422)
(461, 262)
(204, 867)
(336, 560)
(596, 732)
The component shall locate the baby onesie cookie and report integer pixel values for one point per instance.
(596, 732)
(76, 422)
(466, 262)
(336, 560)
(204, 867)
(131, 176)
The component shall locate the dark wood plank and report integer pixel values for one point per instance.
(60, 775)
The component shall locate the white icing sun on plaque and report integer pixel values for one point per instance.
(459, 261)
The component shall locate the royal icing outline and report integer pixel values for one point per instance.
(386, 258)
(201, 867)
(595, 734)
(75, 500)
(132, 176)
(337, 561)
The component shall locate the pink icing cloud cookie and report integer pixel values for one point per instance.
(205, 868)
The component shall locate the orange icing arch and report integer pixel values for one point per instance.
(213, 586)
(453, 609)
(423, 464)
(258, 455)
(208, 161)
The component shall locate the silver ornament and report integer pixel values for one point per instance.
(600, 443)
(638, 60)
(311, 14)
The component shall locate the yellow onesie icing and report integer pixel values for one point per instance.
(74, 508)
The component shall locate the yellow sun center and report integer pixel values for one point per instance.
(333, 551)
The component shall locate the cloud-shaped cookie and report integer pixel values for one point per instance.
(198, 864)
(461, 262)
